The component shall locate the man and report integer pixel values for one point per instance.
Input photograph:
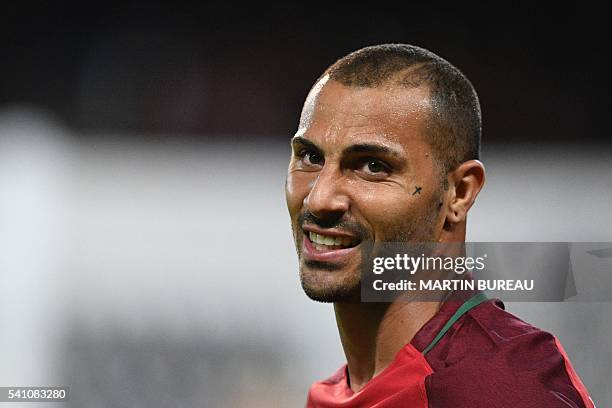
(387, 151)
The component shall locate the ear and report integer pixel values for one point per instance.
(464, 184)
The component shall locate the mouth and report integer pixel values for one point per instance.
(328, 246)
(323, 242)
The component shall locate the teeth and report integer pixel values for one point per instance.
(326, 240)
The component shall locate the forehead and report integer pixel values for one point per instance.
(343, 115)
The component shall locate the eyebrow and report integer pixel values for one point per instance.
(370, 148)
(353, 149)
(299, 140)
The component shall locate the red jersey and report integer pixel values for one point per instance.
(472, 353)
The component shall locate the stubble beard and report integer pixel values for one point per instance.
(329, 283)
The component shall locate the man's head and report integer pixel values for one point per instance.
(386, 151)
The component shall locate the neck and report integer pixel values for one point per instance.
(373, 333)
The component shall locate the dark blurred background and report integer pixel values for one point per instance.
(146, 258)
(216, 68)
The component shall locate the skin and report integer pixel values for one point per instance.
(359, 155)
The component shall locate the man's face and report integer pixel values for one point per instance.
(361, 173)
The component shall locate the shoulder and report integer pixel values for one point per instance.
(491, 355)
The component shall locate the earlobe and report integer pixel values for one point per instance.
(465, 182)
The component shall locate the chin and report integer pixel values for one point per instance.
(331, 284)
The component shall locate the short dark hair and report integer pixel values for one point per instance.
(456, 123)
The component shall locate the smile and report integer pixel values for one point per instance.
(328, 246)
(326, 242)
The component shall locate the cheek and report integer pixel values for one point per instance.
(296, 189)
(386, 205)
(388, 210)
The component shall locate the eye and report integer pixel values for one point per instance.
(312, 158)
(375, 167)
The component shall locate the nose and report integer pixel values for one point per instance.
(327, 198)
